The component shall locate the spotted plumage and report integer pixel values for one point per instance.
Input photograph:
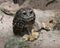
(23, 21)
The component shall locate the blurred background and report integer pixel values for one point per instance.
(39, 4)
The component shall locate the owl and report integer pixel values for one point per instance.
(23, 21)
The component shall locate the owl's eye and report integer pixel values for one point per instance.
(24, 12)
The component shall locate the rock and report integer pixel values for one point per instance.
(47, 19)
(47, 39)
(9, 8)
(2, 1)
(6, 28)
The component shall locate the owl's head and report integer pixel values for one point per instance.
(24, 16)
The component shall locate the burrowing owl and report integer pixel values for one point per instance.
(23, 21)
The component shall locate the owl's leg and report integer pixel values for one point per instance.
(28, 31)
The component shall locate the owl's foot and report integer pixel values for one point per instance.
(31, 37)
